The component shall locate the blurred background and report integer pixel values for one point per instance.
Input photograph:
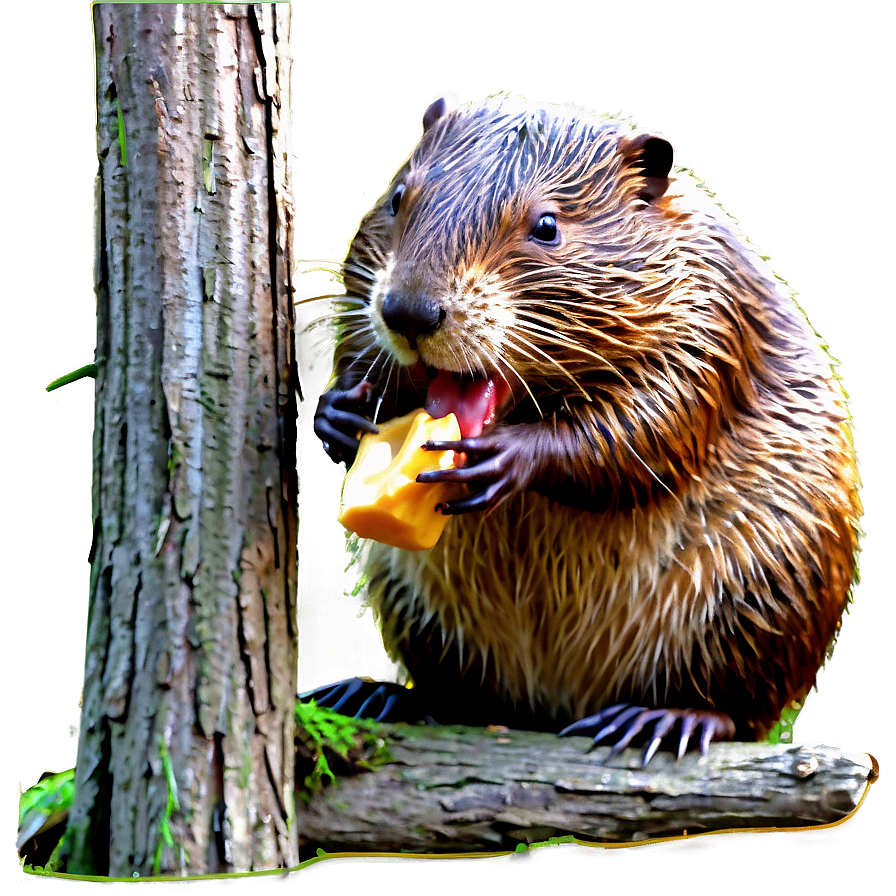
(781, 108)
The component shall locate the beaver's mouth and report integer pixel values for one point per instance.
(475, 399)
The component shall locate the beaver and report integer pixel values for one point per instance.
(656, 533)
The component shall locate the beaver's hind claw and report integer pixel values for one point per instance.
(627, 722)
(381, 701)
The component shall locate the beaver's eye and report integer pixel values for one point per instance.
(546, 231)
(395, 203)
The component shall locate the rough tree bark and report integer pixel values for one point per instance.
(185, 760)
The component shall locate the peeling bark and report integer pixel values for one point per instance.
(467, 790)
(191, 649)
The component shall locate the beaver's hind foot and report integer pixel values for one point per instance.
(382, 701)
(622, 723)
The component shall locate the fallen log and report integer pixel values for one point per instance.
(468, 790)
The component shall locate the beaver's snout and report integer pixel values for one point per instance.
(411, 317)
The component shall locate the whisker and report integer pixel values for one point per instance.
(319, 348)
(519, 339)
(387, 359)
(360, 312)
(320, 265)
(540, 280)
(315, 348)
(359, 332)
(647, 467)
(329, 297)
(560, 340)
(391, 363)
(472, 360)
(626, 321)
(362, 356)
(498, 362)
(373, 364)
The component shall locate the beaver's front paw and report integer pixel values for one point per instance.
(339, 420)
(494, 471)
(622, 723)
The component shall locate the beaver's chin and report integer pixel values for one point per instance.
(477, 400)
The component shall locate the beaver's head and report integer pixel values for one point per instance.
(521, 253)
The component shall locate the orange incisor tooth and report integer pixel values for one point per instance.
(380, 497)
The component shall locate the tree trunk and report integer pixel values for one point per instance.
(185, 762)
(467, 790)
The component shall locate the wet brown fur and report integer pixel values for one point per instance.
(685, 528)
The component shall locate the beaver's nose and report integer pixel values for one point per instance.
(412, 318)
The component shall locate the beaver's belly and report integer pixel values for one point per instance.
(569, 610)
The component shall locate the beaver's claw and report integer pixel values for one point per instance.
(491, 470)
(381, 701)
(622, 723)
(338, 420)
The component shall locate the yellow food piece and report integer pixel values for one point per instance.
(381, 500)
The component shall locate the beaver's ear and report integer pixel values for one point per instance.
(653, 155)
(437, 109)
